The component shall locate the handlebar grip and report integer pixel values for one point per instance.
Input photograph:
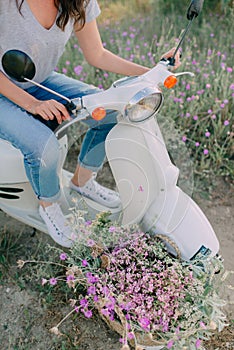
(171, 60)
(70, 106)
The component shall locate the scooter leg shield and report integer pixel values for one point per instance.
(134, 171)
(146, 180)
(187, 227)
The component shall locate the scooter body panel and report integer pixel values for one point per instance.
(12, 164)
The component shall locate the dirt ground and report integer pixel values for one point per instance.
(27, 313)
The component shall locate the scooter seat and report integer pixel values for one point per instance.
(11, 164)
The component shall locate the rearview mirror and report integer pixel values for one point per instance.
(194, 9)
(18, 65)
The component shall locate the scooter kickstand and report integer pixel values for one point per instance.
(33, 233)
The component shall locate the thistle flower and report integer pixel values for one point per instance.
(55, 331)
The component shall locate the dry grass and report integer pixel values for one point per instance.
(118, 10)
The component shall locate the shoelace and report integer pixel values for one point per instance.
(100, 190)
(58, 221)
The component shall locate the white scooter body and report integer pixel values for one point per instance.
(144, 174)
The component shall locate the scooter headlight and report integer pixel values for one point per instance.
(143, 105)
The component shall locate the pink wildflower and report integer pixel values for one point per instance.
(144, 323)
(198, 343)
(84, 263)
(88, 314)
(63, 256)
(43, 281)
(53, 281)
(78, 70)
(170, 344)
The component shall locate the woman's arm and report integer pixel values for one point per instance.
(46, 109)
(16, 94)
(91, 44)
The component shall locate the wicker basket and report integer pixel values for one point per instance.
(145, 340)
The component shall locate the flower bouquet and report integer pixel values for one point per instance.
(152, 299)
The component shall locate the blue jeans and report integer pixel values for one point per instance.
(37, 142)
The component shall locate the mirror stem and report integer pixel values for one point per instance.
(47, 89)
(183, 36)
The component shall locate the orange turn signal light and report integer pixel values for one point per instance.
(170, 81)
(99, 113)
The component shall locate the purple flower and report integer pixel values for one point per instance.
(144, 323)
(197, 144)
(226, 122)
(91, 290)
(131, 335)
(88, 223)
(90, 243)
(88, 313)
(184, 138)
(63, 256)
(195, 117)
(206, 151)
(83, 302)
(95, 298)
(229, 69)
(105, 312)
(70, 278)
(207, 134)
(170, 344)
(202, 325)
(53, 281)
(78, 70)
(84, 263)
(198, 343)
(112, 229)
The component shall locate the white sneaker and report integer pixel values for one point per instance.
(57, 225)
(98, 193)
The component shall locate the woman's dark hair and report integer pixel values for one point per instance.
(68, 9)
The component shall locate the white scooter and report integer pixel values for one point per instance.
(144, 174)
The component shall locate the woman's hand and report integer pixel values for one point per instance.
(49, 110)
(177, 57)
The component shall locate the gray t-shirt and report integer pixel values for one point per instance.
(25, 33)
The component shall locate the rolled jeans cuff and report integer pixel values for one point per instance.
(89, 167)
(50, 199)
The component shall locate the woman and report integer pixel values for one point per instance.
(41, 29)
